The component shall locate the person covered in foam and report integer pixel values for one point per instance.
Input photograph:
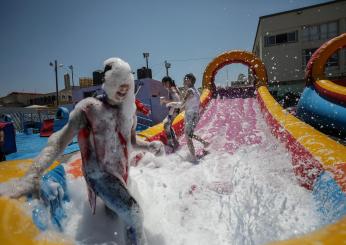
(106, 134)
(173, 96)
(191, 103)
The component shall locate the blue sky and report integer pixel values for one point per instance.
(83, 33)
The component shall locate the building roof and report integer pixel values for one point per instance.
(290, 11)
(301, 9)
(24, 93)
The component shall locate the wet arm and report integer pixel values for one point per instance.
(57, 142)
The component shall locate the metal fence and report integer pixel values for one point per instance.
(21, 115)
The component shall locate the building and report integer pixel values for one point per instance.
(67, 80)
(84, 92)
(85, 82)
(49, 99)
(285, 42)
(18, 99)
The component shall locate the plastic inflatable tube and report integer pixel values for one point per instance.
(314, 156)
(235, 56)
(321, 113)
(314, 73)
(313, 153)
(61, 118)
(17, 226)
(334, 92)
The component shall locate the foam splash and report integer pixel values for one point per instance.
(245, 193)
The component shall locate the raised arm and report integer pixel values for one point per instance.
(56, 145)
(57, 142)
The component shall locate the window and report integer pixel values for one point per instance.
(314, 33)
(281, 38)
(324, 31)
(307, 53)
(332, 29)
(320, 32)
(289, 37)
(292, 36)
(332, 61)
(269, 41)
(305, 33)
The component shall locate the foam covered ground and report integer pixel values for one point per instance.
(243, 192)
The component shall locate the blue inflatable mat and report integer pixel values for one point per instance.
(29, 146)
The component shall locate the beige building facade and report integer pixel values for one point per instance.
(85, 82)
(285, 42)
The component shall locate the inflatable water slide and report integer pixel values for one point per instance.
(239, 193)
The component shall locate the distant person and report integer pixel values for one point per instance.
(2, 145)
(173, 111)
(191, 103)
(106, 128)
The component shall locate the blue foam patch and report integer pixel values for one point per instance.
(329, 198)
(53, 195)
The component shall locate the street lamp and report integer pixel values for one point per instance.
(167, 66)
(55, 65)
(146, 56)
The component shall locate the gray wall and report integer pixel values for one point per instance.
(284, 62)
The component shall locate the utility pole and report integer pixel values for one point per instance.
(167, 66)
(71, 68)
(56, 82)
(146, 56)
(55, 65)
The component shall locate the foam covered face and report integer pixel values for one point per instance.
(117, 92)
(119, 81)
(121, 92)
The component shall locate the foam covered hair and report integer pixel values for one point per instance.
(118, 74)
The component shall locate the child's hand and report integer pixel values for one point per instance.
(176, 105)
(19, 187)
(163, 100)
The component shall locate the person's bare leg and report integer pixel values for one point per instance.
(118, 200)
(191, 148)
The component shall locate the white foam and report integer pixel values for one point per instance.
(250, 197)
